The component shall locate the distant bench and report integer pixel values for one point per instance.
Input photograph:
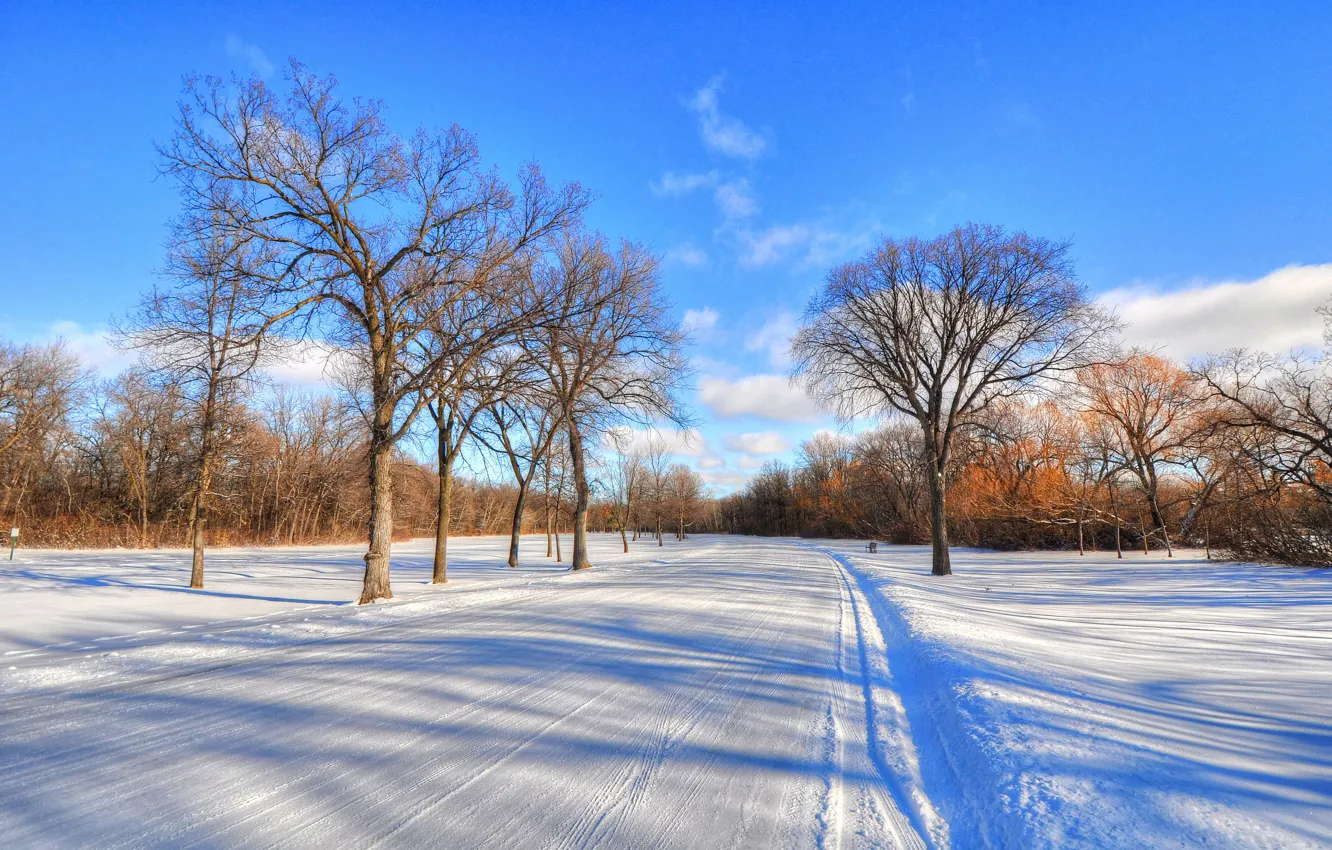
(872, 546)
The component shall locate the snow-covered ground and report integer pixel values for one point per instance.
(717, 693)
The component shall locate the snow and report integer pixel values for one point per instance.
(1096, 702)
(714, 693)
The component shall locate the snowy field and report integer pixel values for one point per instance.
(723, 692)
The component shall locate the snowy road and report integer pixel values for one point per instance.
(717, 699)
(723, 692)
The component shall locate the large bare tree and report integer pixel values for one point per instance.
(370, 229)
(938, 330)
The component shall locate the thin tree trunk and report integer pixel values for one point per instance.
(202, 483)
(1114, 508)
(440, 574)
(1159, 520)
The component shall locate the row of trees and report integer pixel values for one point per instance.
(964, 342)
(452, 303)
(86, 461)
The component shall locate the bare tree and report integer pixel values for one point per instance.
(204, 335)
(1152, 410)
(657, 463)
(39, 387)
(369, 229)
(939, 330)
(1280, 412)
(520, 425)
(686, 493)
(627, 473)
(610, 350)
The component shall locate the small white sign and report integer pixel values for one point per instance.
(13, 532)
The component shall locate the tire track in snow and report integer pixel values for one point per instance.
(876, 711)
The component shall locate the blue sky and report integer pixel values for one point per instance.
(1185, 149)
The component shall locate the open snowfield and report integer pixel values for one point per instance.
(723, 692)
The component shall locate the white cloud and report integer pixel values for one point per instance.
(735, 200)
(749, 462)
(711, 462)
(728, 478)
(1275, 313)
(774, 337)
(700, 320)
(722, 133)
(250, 54)
(764, 396)
(674, 185)
(687, 443)
(687, 254)
(305, 363)
(92, 346)
(759, 443)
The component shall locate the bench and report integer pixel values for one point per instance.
(872, 547)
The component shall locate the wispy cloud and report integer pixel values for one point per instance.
(704, 319)
(1276, 312)
(736, 200)
(774, 338)
(673, 184)
(250, 54)
(687, 254)
(723, 133)
(802, 243)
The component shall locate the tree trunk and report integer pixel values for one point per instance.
(583, 497)
(1114, 508)
(1159, 521)
(198, 515)
(376, 584)
(202, 483)
(516, 532)
(441, 574)
(941, 565)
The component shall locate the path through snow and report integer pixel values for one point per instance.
(723, 692)
(710, 698)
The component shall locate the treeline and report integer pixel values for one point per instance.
(90, 462)
(93, 462)
(1138, 452)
